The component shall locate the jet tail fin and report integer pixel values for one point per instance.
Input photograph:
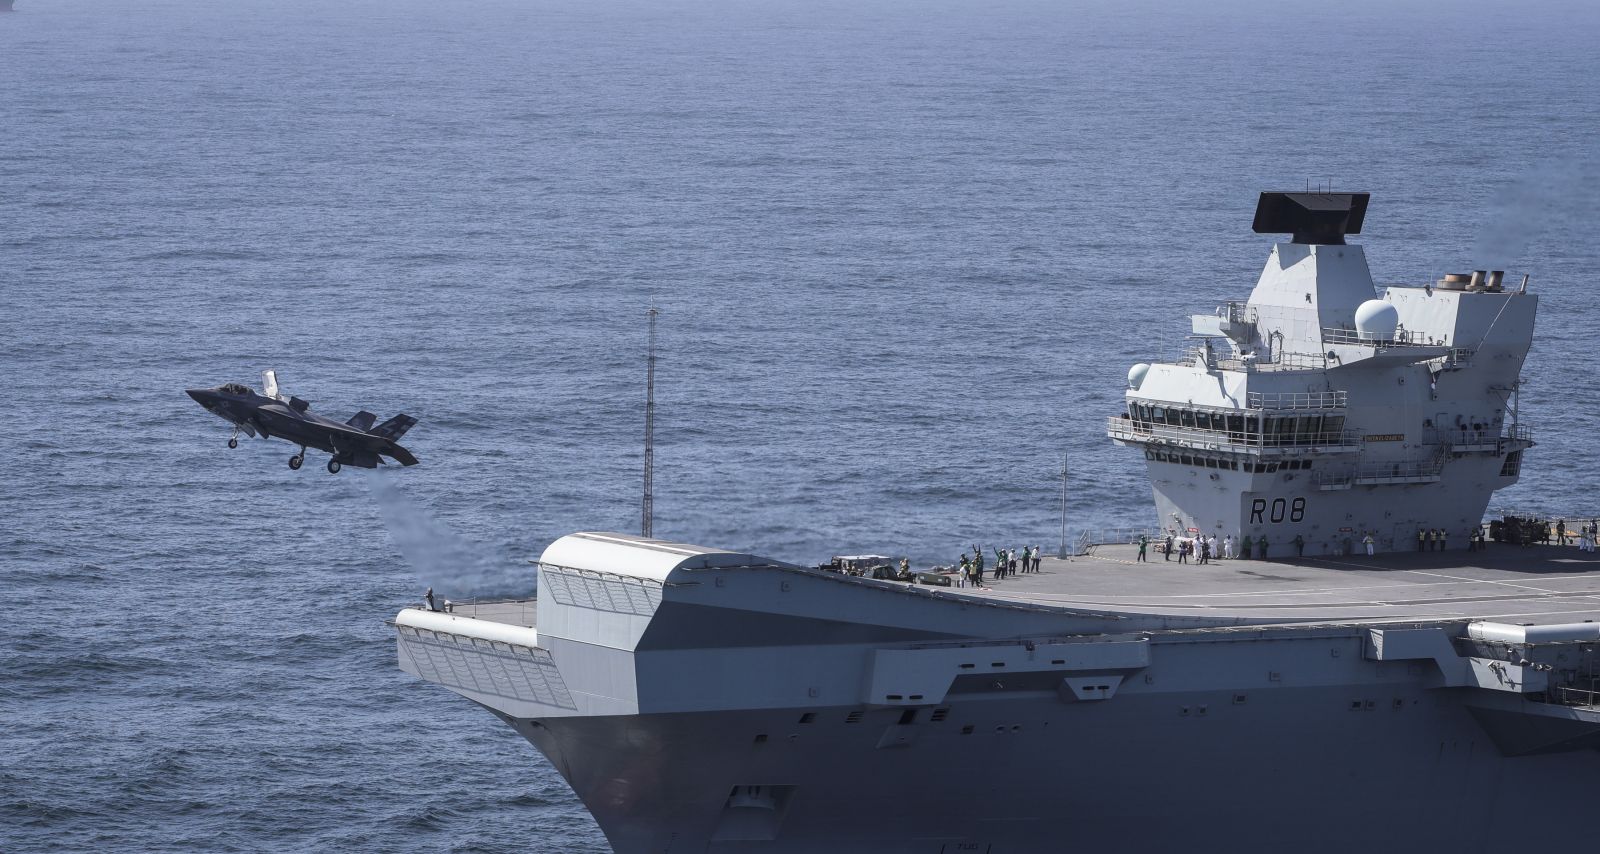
(269, 383)
(362, 420)
(395, 427)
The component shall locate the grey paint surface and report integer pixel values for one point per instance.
(725, 703)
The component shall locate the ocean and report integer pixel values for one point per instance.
(904, 254)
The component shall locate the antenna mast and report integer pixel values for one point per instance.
(648, 511)
(1063, 554)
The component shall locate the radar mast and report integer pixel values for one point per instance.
(647, 512)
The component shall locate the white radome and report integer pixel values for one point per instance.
(1377, 320)
(1136, 375)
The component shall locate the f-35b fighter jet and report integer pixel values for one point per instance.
(272, 415)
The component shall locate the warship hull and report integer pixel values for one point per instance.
(1369, 688)
(755, 707)
(1291, 769)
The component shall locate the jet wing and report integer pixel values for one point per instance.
(346, 436)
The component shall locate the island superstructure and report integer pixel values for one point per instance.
(1320, 410)
(699, 700)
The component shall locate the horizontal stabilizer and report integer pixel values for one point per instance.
(400, 455)
(362, 420)
(395, 427)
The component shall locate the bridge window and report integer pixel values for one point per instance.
(1310, 428)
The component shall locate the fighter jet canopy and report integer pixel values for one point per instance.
(1323, 218)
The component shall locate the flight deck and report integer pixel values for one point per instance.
(1517, 584)
(1539, 584)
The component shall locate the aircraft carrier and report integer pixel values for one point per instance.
(1432, 695)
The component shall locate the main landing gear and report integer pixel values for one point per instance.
(296, 460)
(333, 465)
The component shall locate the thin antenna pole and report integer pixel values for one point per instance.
(648, 511)
(1063, 553)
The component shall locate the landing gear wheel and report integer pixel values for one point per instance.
(333, 466)
(295, 461)
(233, 442)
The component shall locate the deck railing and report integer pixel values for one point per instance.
(1129, 430)
(1482, 436)
(1088, 539)
(1569, 696)
(1296, 400)
(1283, 361)
(1402, 338)
(523, 609)
(1237, 312)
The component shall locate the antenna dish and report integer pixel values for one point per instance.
(1136, 375)
(1376, 320)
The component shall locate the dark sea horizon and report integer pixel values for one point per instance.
(904, 252)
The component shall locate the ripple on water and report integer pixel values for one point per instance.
(888, 308)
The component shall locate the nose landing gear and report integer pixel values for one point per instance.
(334, 466)
(296, 460)
(233, 441)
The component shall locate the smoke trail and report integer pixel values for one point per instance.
(450, 565)
(1530, 207)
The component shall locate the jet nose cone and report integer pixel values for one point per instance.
(207, 397)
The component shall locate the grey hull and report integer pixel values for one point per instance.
(1292, 769)
(1379, 691)
(718, 703)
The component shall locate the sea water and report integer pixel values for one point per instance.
(904, 254)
